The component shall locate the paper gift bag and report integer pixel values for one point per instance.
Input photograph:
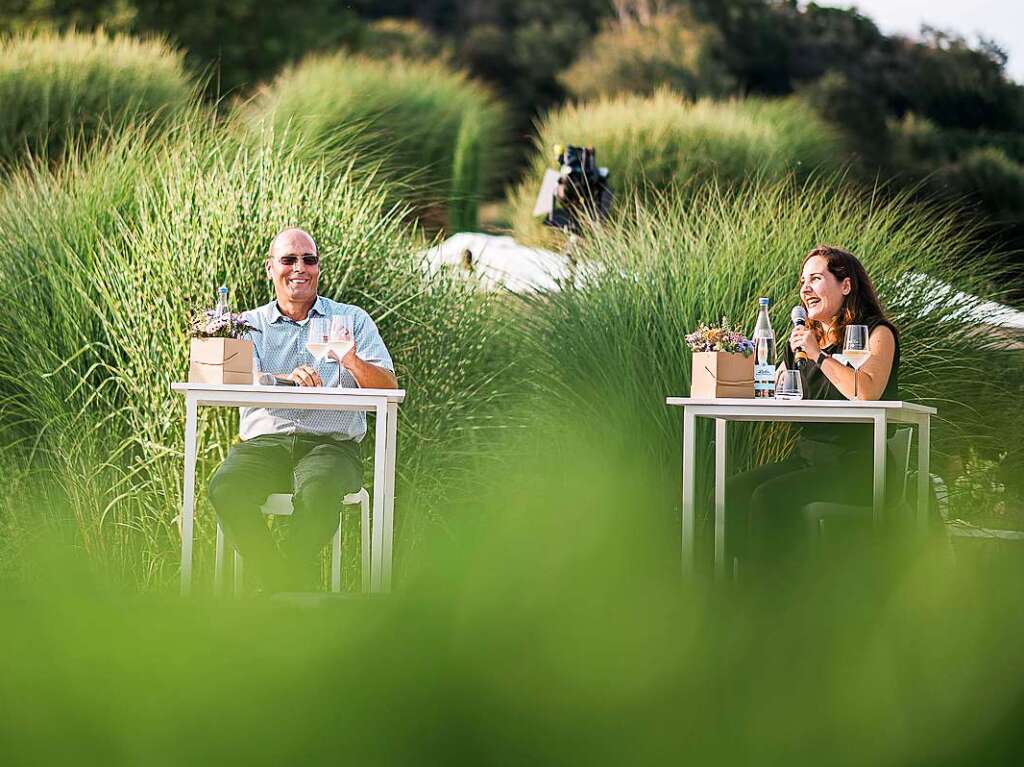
(721, 374)
(220, 361)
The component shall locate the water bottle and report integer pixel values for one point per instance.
(222, 307)
(764, 353)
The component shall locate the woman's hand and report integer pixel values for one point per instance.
(803, 337)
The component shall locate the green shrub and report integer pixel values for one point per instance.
(57, 89)
(665, 142)
(671, 51)
(124, 245)
(988, 177)
(409, 39)
(918, 144)
(856, 111)
(405, 119)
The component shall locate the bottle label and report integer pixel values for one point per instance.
(764, 376)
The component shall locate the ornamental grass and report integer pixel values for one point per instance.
(61, 89)
(125, 244)
(436, 135)
(668, 143)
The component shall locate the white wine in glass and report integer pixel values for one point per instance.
(319, 337)
(340, 336)
(856, 350)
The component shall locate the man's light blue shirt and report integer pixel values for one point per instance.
(279, 347)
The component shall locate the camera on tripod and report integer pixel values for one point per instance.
(578, 191)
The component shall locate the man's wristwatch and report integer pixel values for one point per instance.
(821, 358)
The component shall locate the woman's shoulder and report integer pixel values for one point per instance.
(882, 325)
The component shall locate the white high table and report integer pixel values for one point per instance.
(879, 413)
(383, 402)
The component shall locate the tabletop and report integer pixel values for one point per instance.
(821, 410)
(295, 397)
(730, 402)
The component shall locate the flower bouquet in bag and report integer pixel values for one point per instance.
(219, 352)
(723, 362)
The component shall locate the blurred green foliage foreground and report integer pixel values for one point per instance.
(543, 632)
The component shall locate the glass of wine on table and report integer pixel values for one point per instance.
(319, 335)
(340, 338)
(856, 350)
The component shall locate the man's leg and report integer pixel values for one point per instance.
(253, 470)
(322, 478)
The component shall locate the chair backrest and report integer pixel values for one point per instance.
(899, 453)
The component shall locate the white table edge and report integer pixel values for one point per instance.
(728, 402)
(392, 395)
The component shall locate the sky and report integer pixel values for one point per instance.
(999, 20)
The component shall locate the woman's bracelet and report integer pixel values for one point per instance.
(821, 358)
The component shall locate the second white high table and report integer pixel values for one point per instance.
(879, 413)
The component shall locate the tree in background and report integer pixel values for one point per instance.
(238, 42)
(640, 52)
(518, 46)
(248, 41)
(406, 38)
(25, 15)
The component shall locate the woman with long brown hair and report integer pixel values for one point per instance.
(831, 462)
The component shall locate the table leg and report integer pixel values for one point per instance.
(878, 496)
(379, 493)
(720, 466)
(388, 521)
(923, 469)
(689, 521)
(188, 495)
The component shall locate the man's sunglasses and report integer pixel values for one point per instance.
(291, 260)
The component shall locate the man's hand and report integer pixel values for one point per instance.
(804, 338)
(367, 375)
(304, 375)
(349, 361)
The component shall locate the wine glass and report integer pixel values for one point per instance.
(789, 385)
(319, 335)
(856, 350)
(341, 338)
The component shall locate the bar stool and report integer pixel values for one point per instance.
(280, 504)
(817, 514)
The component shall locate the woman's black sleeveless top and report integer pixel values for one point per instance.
(823, 441)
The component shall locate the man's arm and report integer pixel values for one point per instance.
(368, 375)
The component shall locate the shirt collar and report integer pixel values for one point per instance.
(318, 308)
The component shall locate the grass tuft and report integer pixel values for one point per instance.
(59, 89)
(422, 124)
(667, 143)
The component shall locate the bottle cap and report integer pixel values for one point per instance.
(222, 289)
(763, 301)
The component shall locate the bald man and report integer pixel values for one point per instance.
(313, 454)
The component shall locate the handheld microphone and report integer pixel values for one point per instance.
(269, 379)
(799, 319)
